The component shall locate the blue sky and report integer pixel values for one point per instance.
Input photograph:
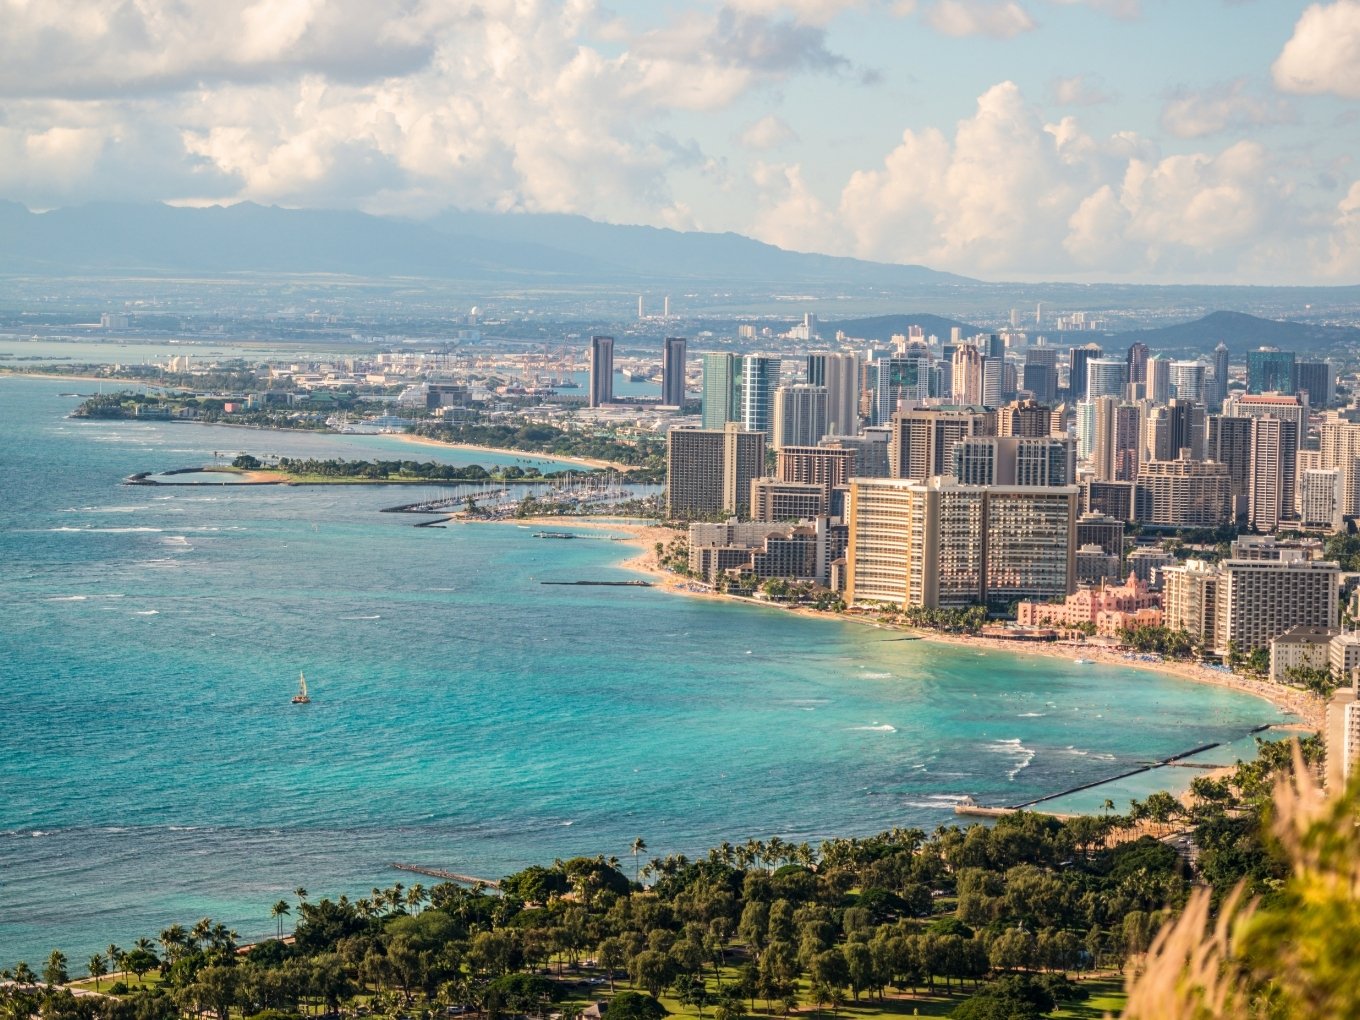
(1139, 140)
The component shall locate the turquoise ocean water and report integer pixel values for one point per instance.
(464, 715)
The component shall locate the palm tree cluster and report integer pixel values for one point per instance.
(996, 916)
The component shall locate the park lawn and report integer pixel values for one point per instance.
(1107, 997)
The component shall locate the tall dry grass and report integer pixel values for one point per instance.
(1297, 955)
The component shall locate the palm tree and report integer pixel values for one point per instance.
(97, 968)
(279, 910)
(301, 894)
(639, 845)
(115, 956)
(415, 896)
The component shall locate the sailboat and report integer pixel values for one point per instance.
(300, 698)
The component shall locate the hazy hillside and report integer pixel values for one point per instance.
(1242, 333)
(671, 253)
(113, 238)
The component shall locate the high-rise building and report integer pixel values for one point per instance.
(831, 467)
(1270, 370)
(722, 390)
(1118, 440)
(1106, 532)
(994, 382)
(1159, 379)
(1275, 405)
(1339, 445)
(601, 371)
(1106, 377)
(1040, 375)
(1084, 427)
(673, 371)
(839, 373)
(1076, 375)
(1320, 499)
(709, 471)
(1229, 443)
(922, 442)
(1113, 499)
(1012, 460)
(1219, 390)
(899, 381)
(1317, 382)
(967, 375)
(1187, 380)
(871, 451)
(1183, 494)
(799, 415)
(773, 500)
(1260, 600)
(942, 544)
(1178, 426)
(1274, 450)
(1024, 418)
(1137, 359)
(759, 380)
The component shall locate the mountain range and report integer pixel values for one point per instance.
(116, 238)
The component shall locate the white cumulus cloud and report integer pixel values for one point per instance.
(1232, 105)
(999, 19)
(1008, 194)
(1323, 54)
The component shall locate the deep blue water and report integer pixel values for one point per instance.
(153, 770)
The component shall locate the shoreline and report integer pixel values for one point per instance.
(1288, 701)
(1309, 710)
(590, 462)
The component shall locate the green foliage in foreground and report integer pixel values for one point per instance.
(988, 921)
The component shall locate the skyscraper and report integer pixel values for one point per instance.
(1229, 442)
(1316, 379)
(968, 375)
(601, 371)
(673, 371)
(941, 544)
(922, 442)
(722, 390)
(1159, 379)
(759, 380)
(1270, 370)
(1106, 377)
(799, 415)
(709, 471)
(899, 380)
(1076, 376)
(1274, 454)
(1040, 375)
(1137, 359)
(839, 373)
(1220, 387)
(1187, 380)
(1118, 440)
(1177, 426)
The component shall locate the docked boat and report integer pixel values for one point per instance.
(301, 697)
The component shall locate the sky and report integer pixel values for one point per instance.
(1123, 140)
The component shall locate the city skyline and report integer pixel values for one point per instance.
(1022, 139)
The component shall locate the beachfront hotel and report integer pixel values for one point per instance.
(1242, 604)
(940, 544)
(709, 471)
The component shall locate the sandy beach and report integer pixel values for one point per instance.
(406, 437)
(1308, 708)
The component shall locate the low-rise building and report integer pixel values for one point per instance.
(1302, 647)
(1111, 608)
